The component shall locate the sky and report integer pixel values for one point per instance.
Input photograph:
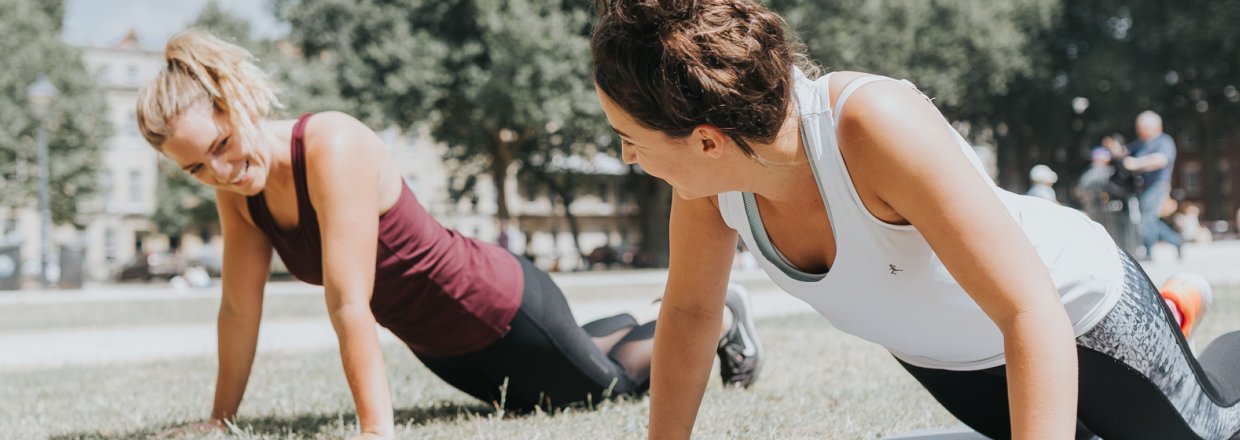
(104, 22)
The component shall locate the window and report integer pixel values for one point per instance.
(622, 197)
(1192, 178)
(131, 124)
(531, 192)
(131, 73)
(1224, 170)
(1189, 141)
(135, 187)
(110, 248)
(103, 75)
(105, 189)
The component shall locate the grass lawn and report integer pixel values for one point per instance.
(817, 383)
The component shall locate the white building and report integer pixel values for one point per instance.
(121, 228)
(130, 167)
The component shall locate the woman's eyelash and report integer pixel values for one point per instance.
(215, 148)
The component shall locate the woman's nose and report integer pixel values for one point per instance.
(628, 155)
(221, 169)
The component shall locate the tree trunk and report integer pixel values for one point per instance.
(501, 159)
(1211, 183)
(565, 194)
(654, 201)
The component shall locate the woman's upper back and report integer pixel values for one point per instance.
(429, 281)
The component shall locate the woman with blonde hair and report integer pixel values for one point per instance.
(1018, 315)
(321, 191)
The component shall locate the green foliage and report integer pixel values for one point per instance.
(493, 79)
(958, 51)
(1176, 58)
(1009, 71)
(78, 121)
(183, 203)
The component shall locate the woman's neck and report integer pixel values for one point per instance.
(276, 138)
(782, 169)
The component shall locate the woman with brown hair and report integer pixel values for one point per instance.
(1020, 316)
(321, 191)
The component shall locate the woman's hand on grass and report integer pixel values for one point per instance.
(369, 436)
(196, 428)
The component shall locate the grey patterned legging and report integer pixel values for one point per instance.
(1138, 380)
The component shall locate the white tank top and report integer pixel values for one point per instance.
(888, 286)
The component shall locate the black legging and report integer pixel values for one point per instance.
(545, 357)
(1138, 379)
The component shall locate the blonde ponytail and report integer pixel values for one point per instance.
(201, 67)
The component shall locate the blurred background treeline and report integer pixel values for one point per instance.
(489, 109)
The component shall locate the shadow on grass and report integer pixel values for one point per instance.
(310, 423)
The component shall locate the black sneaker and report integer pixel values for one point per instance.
(740, 351)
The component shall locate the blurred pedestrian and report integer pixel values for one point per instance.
(1091, 188)
(1043, 186)
(1187, 221)
(1153, 157)
(1107, 193)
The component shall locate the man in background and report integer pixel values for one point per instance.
(1153, 156)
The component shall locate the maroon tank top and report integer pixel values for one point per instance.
(438, 291)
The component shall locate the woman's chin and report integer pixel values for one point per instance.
(249, 189)
(687, 195)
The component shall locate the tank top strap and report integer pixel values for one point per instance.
(297, 149)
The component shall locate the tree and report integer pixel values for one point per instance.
(959, 52)
(490, 77)
(1180, 59)
(78, 124)
(183, 204)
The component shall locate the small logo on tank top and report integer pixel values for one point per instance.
(895, 269)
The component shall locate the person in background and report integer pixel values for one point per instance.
(1153, 158)
(1043, 183)
(1187, 220)
(1091, 188)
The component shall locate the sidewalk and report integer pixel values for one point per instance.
(50, 349)
(587, 294)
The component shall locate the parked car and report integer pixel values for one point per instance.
(152, 266)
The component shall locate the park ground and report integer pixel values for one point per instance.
(129, 361)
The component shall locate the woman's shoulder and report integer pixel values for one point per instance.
(333, 126)
(837, 81)
(337, 135)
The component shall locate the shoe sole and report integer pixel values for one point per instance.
(746, 320)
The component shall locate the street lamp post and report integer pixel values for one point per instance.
(40, 95)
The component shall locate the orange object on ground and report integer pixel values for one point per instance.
(1191, 294)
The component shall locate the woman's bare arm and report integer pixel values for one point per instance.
(899, 147)
(247, 262)
(344, 163)
(702, 249)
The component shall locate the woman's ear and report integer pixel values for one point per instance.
(710, 139)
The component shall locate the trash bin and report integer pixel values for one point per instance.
(72, 266)
(10, 267)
